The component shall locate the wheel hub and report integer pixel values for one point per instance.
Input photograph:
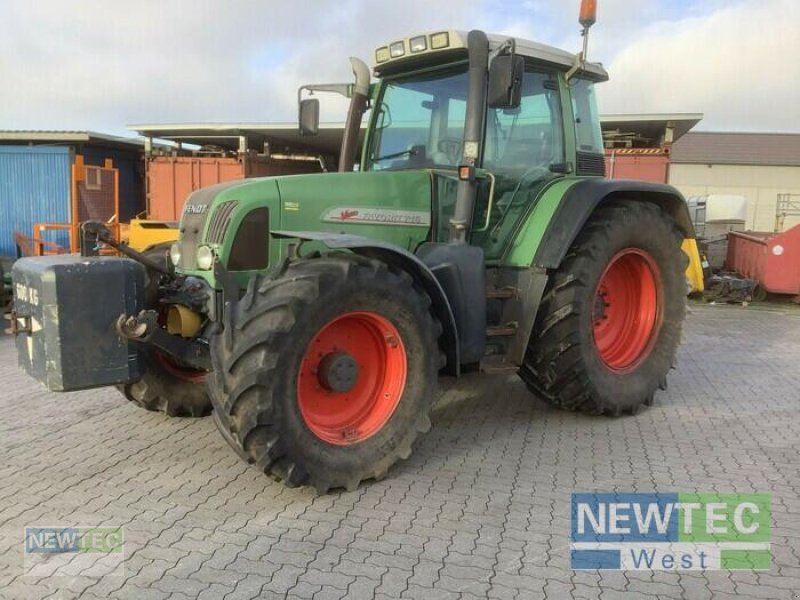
(337, 372)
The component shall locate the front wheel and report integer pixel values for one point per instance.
(610, 321)
(326, 374)
(166, 385)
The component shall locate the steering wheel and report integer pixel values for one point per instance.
(451, 148)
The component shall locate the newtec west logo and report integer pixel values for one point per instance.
(51, 540)
(671, 531)
(68, 551)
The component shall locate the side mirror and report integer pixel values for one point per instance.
(309, 116)
(505, 81)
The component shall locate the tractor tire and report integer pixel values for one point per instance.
(165, 386)
(325, 375)
(610, 321)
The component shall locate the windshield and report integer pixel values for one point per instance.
(420, 122)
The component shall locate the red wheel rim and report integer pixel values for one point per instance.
(371, 343)
(186, 374)
(626, 315)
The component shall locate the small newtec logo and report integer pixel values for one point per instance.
(670, 531)
(72, 551)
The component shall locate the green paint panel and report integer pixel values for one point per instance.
(393, 206)
(528, 237)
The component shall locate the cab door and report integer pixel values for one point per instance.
(523, 151)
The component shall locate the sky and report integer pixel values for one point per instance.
(103, 65)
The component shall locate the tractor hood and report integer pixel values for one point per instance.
(391, 206)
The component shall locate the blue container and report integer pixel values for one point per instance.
(34, 188)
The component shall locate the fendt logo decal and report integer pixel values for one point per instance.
(377, 216)
(195, 209)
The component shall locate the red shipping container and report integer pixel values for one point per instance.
(771, 259)
(170, 179)
(645, 165)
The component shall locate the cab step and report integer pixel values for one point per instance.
(496, 365)
(507, 330)
(504, 293)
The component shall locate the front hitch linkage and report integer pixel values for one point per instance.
(143, 328)
(94, 232)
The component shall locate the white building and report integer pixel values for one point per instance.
(758, 166)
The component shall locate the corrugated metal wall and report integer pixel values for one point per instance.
(34, 187)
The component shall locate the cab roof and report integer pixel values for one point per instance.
(457, 48)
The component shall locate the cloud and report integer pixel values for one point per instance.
(95, 64)
(101, 65)
(738, 65)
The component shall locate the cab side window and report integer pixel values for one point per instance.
(590, 153)
(528, 136)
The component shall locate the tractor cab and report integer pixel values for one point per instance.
(535, 125)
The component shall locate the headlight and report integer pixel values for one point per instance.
(205, 258)
(175, 253)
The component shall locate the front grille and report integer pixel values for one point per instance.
(590, 163)
(194, 220)
(220, 220)
(250, 247)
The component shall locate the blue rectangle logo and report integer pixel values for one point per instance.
(52, 540)
(624, 518)
(595, 559)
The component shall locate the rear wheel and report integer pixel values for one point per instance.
(325, 375)
(166, 385)
(610, 321)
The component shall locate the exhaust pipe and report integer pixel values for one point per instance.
(358, 104)
(478, 49)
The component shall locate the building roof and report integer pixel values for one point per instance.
(283, 136)
(67, 137)
(280, 136)
(763, 149)
(647, 130)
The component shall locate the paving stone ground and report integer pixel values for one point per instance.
(480, 510)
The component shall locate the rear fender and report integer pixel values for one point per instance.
(557, 218)
(398, 258)
(583, 198)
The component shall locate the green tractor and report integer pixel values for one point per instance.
(316, 313)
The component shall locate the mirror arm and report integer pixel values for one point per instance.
(343, 89)
(509, 44)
